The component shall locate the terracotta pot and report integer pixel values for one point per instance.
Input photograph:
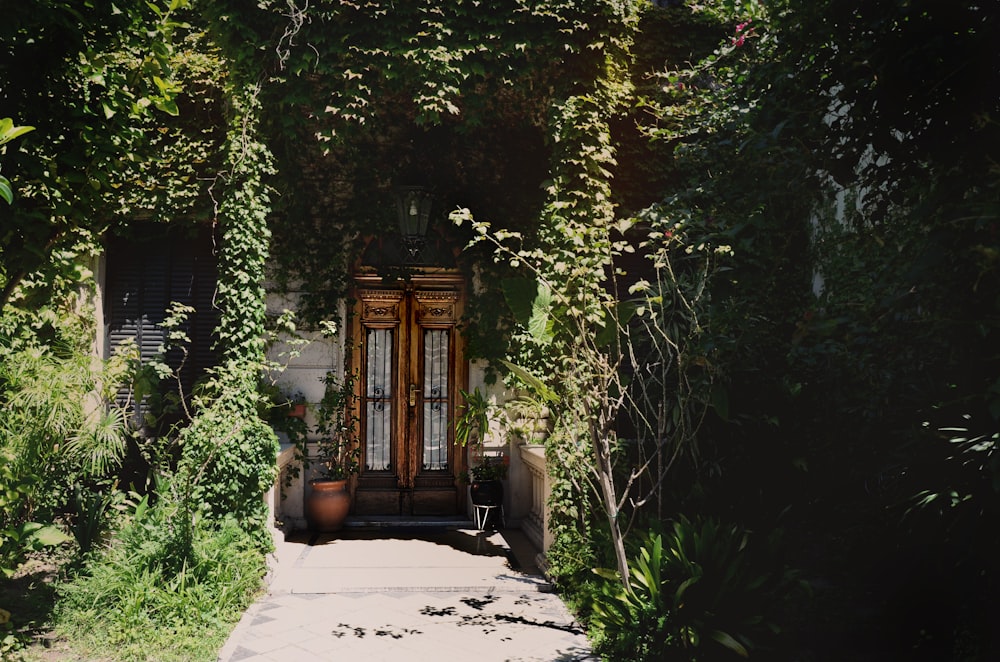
(327, 505)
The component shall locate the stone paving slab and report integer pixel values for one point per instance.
(439, 595)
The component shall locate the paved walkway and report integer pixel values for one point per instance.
(407, 594)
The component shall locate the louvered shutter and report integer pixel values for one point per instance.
(201, 296)
(144, 276)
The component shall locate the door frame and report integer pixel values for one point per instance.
(437, 300)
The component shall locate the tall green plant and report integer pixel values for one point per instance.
(702, 590)
(59, 437)
(49, 440)
(473, 422)
(338, 449)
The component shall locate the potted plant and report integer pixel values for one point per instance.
(329, 501)
(474, 421)
(485, 480)
(487, 472)
(275, 405)
(297, 406)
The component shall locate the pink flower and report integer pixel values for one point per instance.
(742, 32)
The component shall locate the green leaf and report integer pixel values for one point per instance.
(6, 192)
(520, 294)
(539, 326)
(730, 643)
(168, 106)
(532, 382)
(606, 573)
(50, 536)
(531, 304)
(8, 131)
(161, 85)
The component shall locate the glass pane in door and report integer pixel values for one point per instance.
(378, 400)
(435, 392)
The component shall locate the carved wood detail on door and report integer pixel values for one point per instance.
(408, 358)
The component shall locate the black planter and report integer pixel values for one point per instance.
(487, 492)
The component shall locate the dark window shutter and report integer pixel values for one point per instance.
(144, 275)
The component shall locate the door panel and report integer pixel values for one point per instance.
(434, 417)
(409, 352)
(378, 399)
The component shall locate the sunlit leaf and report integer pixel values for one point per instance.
(533, 382)
(5, 190)
(168, 106)
(8, 131)
(50, 536)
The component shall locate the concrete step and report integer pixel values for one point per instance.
(390, 521)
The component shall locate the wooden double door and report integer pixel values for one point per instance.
(408, 367)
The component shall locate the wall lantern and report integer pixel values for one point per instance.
(413, 204)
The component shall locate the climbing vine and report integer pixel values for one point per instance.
(578, 247)
(365, 96)
(228, 451)
(93, 86)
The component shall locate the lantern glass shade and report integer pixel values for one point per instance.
(413, 206)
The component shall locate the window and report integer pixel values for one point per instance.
(145, 273)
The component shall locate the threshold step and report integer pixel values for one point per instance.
(390, 521)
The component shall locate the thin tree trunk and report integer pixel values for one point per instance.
(605, 479)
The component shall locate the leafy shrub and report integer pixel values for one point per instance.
(700, 591)
(229, 461)
(42, 396)
(163, 584)
(58, 443)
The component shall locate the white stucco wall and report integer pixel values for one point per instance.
(304, 362)
(305, 365)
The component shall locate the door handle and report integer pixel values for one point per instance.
(413, 395)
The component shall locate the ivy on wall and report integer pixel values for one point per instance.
(228, 452)
(363, 96)
(94, 86)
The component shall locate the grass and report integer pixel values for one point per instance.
(153, 595)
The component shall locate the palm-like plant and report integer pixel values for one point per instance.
(472, 424)
(701, 586)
